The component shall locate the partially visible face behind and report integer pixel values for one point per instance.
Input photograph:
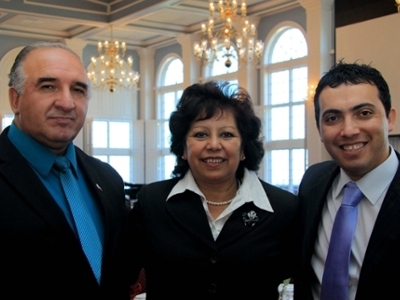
(54, 104)
(214, 149)
(354, 127)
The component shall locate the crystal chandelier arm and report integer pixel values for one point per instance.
(234, 32)
(243, 9)
(113, 71)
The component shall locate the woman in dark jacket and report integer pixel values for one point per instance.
(214, 231)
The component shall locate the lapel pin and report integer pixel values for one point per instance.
(250, 218)
(97, 185)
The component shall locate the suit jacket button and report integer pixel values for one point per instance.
(212, 289)
(214, 258)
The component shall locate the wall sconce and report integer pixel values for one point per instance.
(311, 91)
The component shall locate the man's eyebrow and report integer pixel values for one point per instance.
(52, 79)
(82, 85)
(331, 111)
(355, 108)
(362, 105)
(45, 79)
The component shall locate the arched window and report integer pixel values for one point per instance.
(113, 133)
(112, 142)
(170, 87)
(6, 120)
(6, 115)
(285, 82)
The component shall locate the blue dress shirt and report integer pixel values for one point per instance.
(41, 160)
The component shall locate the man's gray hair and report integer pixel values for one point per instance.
(17, 75)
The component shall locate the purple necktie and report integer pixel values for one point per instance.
(335, 281)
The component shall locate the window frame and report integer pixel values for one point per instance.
(157, 157)
(289, 144)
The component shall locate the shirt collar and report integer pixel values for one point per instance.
(38, 156)
(375, 182)
(251, 190)
(186, 183)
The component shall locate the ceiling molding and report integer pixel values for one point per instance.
(140, 23)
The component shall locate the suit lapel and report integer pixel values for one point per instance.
(315, 198)
(236, 227)
(95, 183)
(102, 196)
(188, 211)
(27, 184)
(386, 230)
(99, 185)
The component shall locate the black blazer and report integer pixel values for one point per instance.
(40, 257)
(182, 260)
(380, 271)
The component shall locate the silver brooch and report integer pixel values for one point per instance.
(250, 218)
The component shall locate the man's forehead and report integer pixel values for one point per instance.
(54, 65)
(53, 56)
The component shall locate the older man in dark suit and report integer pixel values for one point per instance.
(354, 117)
(43, 254)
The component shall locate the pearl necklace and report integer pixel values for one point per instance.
(219, 203)
(223, 202)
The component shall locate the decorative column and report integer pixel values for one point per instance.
(147, 97)
(247, 78)
(191, 67)
(76, 45)
(320, 38)
(247, 73)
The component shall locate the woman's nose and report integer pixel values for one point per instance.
(214, 142)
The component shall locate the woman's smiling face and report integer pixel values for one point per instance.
(214, 149)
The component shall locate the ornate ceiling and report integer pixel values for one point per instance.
(140, 23)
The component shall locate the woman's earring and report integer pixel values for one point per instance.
(243, 157)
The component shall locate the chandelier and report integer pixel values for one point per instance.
(110, 70)
(233, 31)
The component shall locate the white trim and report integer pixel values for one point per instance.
(6, 63)
(267, 69)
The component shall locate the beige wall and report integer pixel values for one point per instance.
(375, 42)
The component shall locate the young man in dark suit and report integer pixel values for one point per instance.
(354, 117)
(41, 254)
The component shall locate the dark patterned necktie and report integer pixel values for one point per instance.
(84, 224)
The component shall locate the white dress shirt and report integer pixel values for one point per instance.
(250, 190)
(374, 186)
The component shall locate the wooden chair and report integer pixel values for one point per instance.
(139, 286)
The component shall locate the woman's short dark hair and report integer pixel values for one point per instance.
(204, 101)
